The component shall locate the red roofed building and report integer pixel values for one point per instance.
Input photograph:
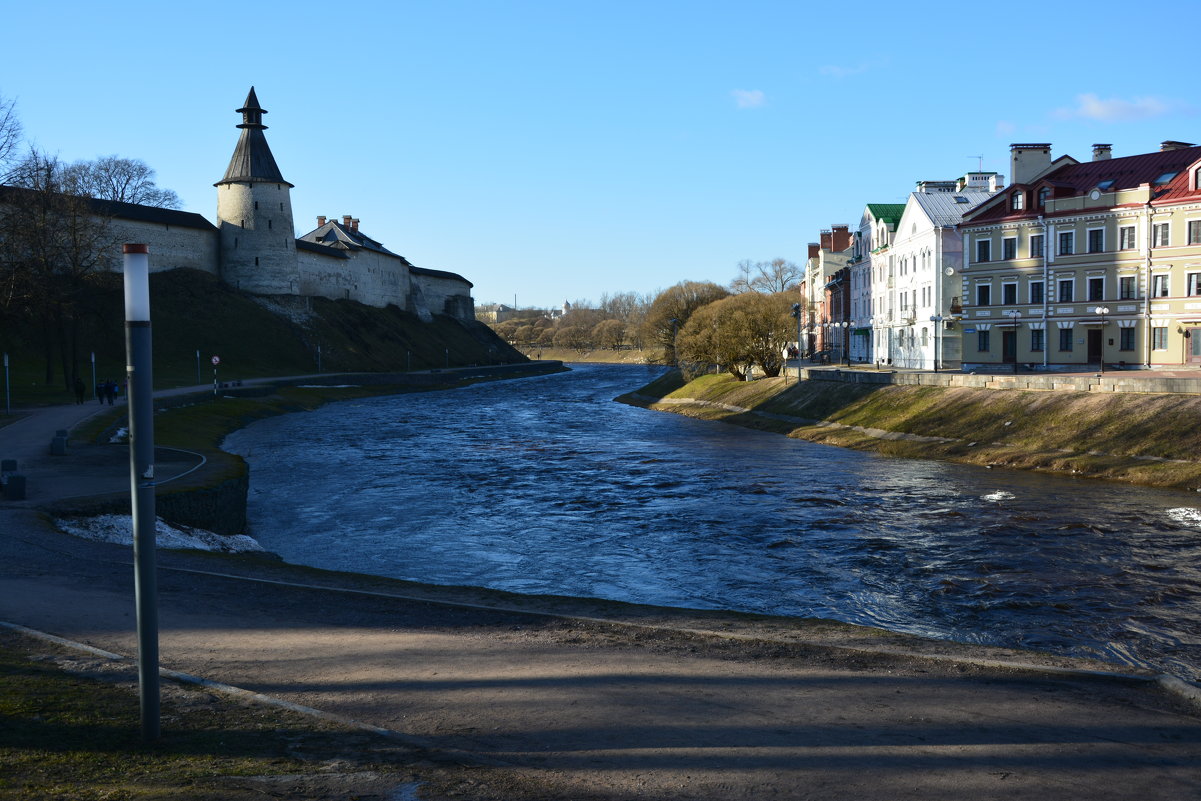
(1079, 264)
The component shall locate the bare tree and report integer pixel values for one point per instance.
(671, 310)
(768, 277)
(120, 179)
(737, 332)
(10, 136)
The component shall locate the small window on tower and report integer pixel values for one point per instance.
(256, 261)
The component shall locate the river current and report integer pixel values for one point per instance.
(545, 485)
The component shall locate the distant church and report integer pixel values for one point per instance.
(253, 246)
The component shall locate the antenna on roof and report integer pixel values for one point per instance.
(980, 162)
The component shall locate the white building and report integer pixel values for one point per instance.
(869, 252)
(918, 300)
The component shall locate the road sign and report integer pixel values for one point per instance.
(216, 361)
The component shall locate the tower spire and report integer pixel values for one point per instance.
(252, 160)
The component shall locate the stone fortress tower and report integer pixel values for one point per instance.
(254, 214)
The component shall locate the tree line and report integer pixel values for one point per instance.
(697, 325)
(57, 241)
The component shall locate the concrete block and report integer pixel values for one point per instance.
(14, 487)
(58, 446)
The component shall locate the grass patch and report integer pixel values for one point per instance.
(64, 735)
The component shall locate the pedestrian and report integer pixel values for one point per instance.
(110, 389)
(100, 392)
(79, 390)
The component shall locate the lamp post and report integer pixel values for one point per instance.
(937, 320)
(141, 473)
(1102, 310)
(847, 325)
(7, 404)
(1014, 316)
(93, 375)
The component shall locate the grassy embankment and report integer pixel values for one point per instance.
(193, 311)
(1140, 438)
(594, 356)
(67, 735)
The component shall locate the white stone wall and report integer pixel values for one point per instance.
(171, 246)
(374, 279)
(445, 295)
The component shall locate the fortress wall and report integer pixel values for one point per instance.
(446, 295)
(171, 246)
(373, 279)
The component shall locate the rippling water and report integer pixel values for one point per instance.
(545, 485)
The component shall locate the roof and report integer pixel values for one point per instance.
(887, 212)
(438, 274)
(947, 208)
(337, 235)
(124, 211)
(252, 160)
(324, 250)
(1129, 172)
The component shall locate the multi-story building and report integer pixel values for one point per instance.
(826, 258)
(1087, 263)
(868, 251)
(918, 326)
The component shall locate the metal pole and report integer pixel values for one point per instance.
(447, 352)
(198, 365)
(319, 358)
(93, 375)
(141, 475)
(7, 404)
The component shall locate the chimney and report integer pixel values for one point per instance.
(320, 220)
(1173, 145)
(354, 225)
(841, 237)
(813, 249)
(827, 239)
(996, 182)
(1028, 161)
(346, 218)
(1102, 152)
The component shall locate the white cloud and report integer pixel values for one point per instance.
(1114, 109)
(748, 98)
(835, 71)
(1005, 128)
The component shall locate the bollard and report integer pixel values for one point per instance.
(58, 446)
(14, 487)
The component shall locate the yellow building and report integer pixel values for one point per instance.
(1078, 264)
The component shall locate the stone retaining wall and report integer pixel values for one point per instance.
(1109, 382)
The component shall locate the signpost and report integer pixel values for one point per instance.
(216, 361)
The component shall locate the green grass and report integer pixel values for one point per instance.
(66, 736)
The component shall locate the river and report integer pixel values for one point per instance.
(545, 485)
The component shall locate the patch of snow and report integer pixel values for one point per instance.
(118, 529)
(999, 495)
(328, 386)
(121, 435)
(1186, 516)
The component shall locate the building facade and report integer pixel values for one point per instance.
(1085, 264)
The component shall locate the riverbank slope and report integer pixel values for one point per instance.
(1141, 438)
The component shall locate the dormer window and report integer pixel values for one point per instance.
(1017, 201)
(1043, 194)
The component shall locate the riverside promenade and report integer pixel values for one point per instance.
(580, 699)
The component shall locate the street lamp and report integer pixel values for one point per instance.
(1014, 316)
(846, 339)
(937, 320)
(1102, 310)
(796, 312)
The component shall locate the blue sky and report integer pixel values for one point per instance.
(555, 151)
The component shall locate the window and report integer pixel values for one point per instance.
(1159, 338)
(1037, 340)
(1043, 194)
(1036, 245)
(1194, 232)
(1096, 240)
(1161, 235)
(983, 295)
(1065, 339)
(1065, 290)
(1018, 201)
(982, 343)
(1126, 237)
(1009, 248)
(1194, 284)
(1036, 291)
(1096, 289)
(1159, 285)
(1009, 294)
(1127, 287)
(1067, 243)
(1126, 339)
(983, 250)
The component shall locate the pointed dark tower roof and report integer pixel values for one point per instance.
(252, 159)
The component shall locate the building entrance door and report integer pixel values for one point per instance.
(1193, 345)
(1009, 347)
(1094, 346)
